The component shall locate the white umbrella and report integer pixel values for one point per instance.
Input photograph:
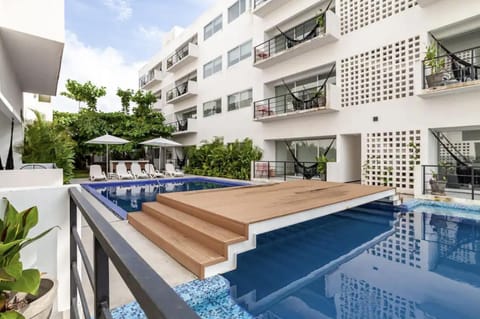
(108, 140)
(161, 142)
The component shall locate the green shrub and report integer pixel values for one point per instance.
(232, 160)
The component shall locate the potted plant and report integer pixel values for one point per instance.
(436, 65)
(23, 294)
(437, 183)
(320, 22)
(322, 161)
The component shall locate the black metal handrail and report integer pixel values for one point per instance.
(312, 98)
(156, 298)
(446, 69)
(284, 169)
(179, 125)
(177, 91)
(458, 180)
(304, 31)
(178, 56)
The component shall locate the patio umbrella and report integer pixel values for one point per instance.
(161, 142)
(9, 163)
(108, 140)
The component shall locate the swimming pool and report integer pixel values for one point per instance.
(122, 197)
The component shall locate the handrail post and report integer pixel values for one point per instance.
(423, 180)
(284, 104)
(472, 174)
(73, 258)
(268, 170)
(285, 171)
(254, 169)
(102, 281)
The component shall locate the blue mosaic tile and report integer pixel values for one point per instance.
(411, 205)
(209, 298)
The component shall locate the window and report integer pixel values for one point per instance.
(212, 67)
(212, 108)
(240, 53)
(236, 10)
(239, 100)
(213, 27)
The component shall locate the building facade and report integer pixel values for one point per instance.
(307, 72)
(32, 37)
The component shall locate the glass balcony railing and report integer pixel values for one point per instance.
(179, 125)
(178, 56)
(313, 98)
(452, 69)
(180, 90)
(307, 30)
(258, 3)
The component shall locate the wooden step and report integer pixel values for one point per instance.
(223, 222)
(187, 251)
(208, 234)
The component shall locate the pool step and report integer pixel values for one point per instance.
(208, 216)
(186, 250)
(208, 234)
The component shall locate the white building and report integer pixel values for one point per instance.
(223, 78)
(32, 38)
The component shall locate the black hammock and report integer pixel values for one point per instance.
(310, 35)
(181, 162)
(300, 104)
(308, 172)
(471, 70)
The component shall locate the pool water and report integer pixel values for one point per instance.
(370, 262)
(124, 197)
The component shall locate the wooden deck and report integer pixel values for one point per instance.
(204, 230)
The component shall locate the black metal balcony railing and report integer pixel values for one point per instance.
(155, 296)
(147, 78)
(259, 2)
(313, 98)
(453, 180)
(305, 31)
(179, 126)
(179, 55)
(286, 169)
(457, 67)
(177, 91)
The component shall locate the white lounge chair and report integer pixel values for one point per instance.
(137, 171)
(171, 171)
(96, 173)
(122, 172)
(154, 173)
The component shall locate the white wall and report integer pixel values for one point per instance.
(31, 178)
(51, 253)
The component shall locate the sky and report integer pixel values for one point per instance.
(107, 41)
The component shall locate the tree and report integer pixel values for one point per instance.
(125, 97)
(87, 93)
(47, 142)
(145, 101)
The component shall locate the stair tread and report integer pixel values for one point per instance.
(202, 255)
(219, 233)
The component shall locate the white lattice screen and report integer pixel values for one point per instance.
(462, 147)
(381, 74)
(356, 14)
(391, 159)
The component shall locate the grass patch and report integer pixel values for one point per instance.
(80, 173)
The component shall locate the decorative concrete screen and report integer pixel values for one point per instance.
(356, 14)
(404, 238)
(462, 147)
(381, 74)
(391, 159)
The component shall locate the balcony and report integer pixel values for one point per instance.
(151, 79)
(182, 56)
(451, 73)
(183, 91)
(304, 37)
(184, 127)
(262, 8)
(308, 102)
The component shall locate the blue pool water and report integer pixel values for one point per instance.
(371, 262)
(127, 196)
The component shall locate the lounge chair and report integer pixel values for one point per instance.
(171, 171)
(96, 173)
(137, 171)
(154, 173)
(122, 172)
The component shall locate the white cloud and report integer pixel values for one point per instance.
(151, 33)
(103, 66)
(122, 8)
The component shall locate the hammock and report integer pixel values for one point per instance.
(182, 125)
(181, 162)
(309, 35)
(298, 103)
